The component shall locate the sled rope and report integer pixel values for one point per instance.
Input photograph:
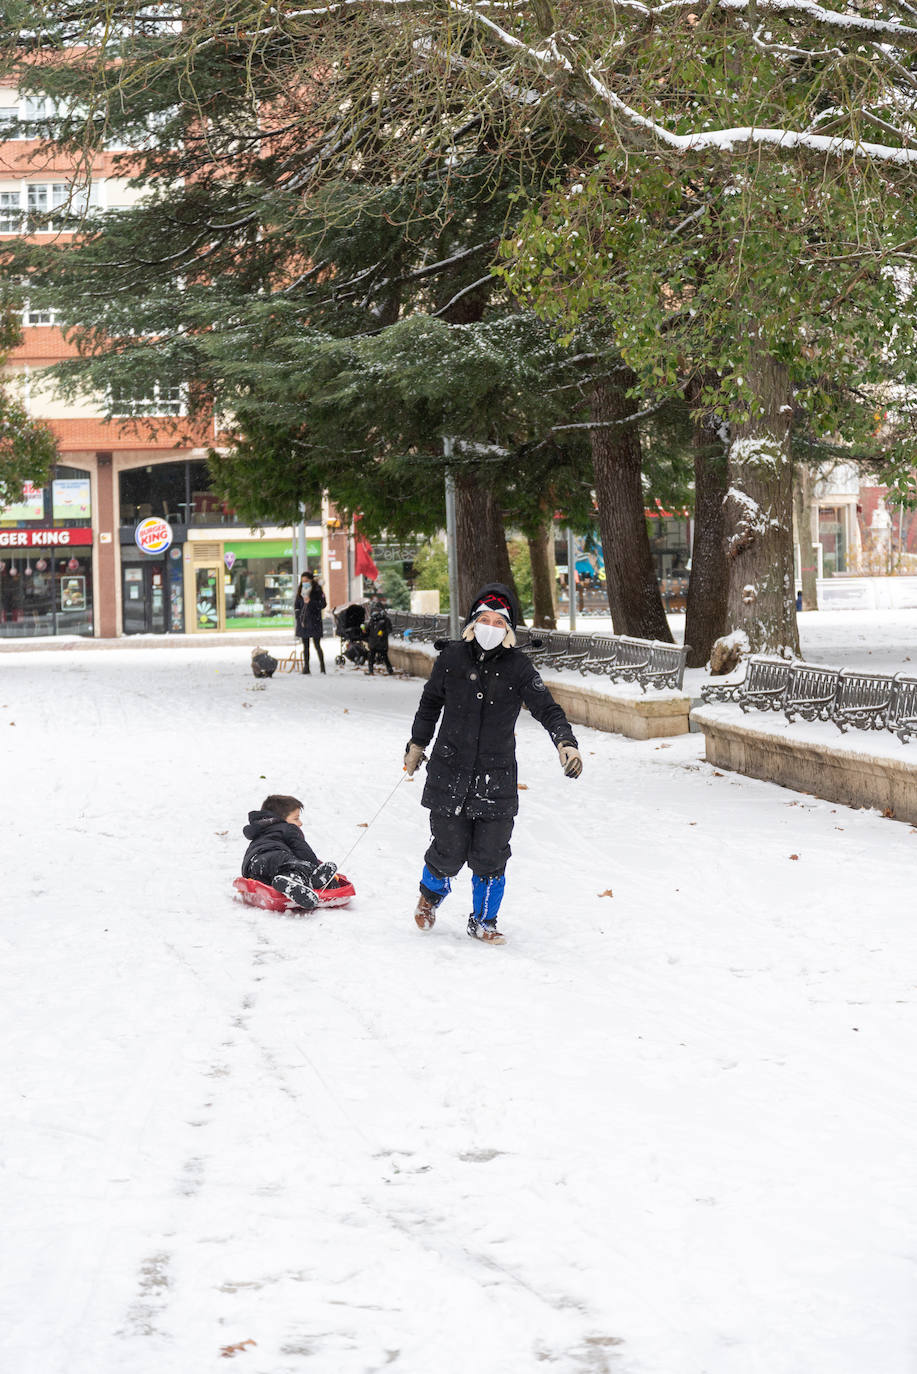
(371, 823)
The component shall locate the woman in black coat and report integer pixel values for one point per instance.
(479, 683)
(308, 606)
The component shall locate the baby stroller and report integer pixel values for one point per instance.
(348, 623)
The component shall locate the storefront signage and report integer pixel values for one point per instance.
(153, 535)
(39, 539)
(70, 498)
(31, 507)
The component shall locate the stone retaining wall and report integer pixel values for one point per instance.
(648, 717)
(840, 772)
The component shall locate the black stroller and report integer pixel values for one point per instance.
(348, 623)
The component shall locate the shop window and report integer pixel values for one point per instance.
(45, 593)
(832, 535)
(159, 489)
(259, 593)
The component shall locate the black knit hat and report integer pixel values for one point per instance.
(494, 597)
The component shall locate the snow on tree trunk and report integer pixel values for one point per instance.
(480, 540)
(706, 605)
(808, 554)
(633, 587)
(761, 600)
(541, 557)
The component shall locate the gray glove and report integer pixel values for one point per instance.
(571, 761)
(414, 756)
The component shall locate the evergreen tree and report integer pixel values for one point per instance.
(27, 448)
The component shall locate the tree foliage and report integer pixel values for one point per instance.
(27, 447)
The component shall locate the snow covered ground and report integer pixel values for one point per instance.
(670, 1130)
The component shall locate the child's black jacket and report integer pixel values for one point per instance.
(273, 842)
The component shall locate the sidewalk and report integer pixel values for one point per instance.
(245, 639)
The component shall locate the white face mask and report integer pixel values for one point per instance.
(489, 636)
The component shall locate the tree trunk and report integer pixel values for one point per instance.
(761, 602)
(705, 616)
(480, 540)
(633, 587)
(808, 554)
(541, 556)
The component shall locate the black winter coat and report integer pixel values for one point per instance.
(273, 842)
(308, 612)
(473, 765)
(378, 629)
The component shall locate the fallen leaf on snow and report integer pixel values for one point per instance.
(794, 856)
(716, 774)
(607, 893)
(889, 813)
(362, 825)
(221, 832)
(227, 1351)
(523, 786)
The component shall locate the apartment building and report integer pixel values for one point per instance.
(128, 537)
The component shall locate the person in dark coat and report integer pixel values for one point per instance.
(308, 606)
(378, 629)
(279, 855)
(479, 683)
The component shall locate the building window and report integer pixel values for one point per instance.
(38, 315)
(10, 212)
(161, 398)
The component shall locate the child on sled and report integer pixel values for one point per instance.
(279, 855)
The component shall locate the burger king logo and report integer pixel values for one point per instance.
(153, 535)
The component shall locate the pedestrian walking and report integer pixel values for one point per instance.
(308, 606)
(479, 683)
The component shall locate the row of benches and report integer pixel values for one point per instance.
(619, 657)
(867, 701)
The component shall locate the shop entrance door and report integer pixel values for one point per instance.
(145, 606)
(206, 594)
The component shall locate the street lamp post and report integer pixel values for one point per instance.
(571, 578)
(451, 557)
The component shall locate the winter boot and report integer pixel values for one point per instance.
(425, 913)
(322, 875)
(485, 930)
(433, 888)
(297, 888)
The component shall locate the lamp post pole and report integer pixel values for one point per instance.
(450, 543)
(571, 578)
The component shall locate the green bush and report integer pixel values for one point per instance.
(521, 565)
(394, 588)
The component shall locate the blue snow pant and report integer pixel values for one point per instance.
(483, 845)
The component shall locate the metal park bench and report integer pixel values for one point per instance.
(551, 653)
(575, 654)
(811, 691)
(667, 665)
(603, 655)
(902, 711)
(762, 688)
(631, 661)
(862, 700)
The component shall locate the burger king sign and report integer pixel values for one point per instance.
(153, 535)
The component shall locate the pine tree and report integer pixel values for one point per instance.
(27, 447)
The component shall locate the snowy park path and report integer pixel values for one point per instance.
(668, 1131)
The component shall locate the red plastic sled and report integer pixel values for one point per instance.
(269, 899)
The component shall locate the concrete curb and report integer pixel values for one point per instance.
(833, 772)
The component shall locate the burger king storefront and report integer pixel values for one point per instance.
(45, 582)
